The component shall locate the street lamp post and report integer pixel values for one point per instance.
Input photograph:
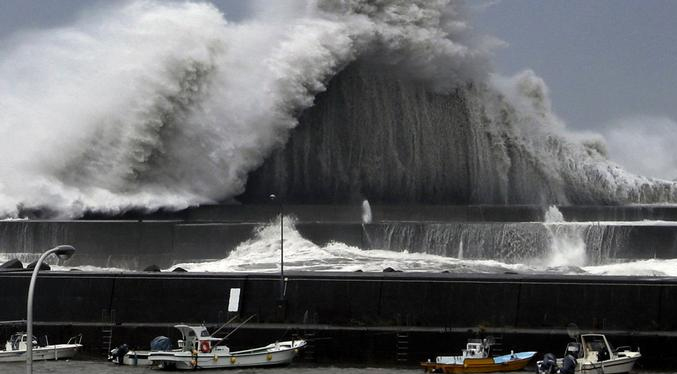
(64, 252)
(281, 209)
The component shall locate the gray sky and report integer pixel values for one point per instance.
(603, 60)
(611, 65)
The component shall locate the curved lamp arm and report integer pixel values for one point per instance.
(64, 252)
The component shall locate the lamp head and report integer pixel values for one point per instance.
(272, 196)
(64, 252)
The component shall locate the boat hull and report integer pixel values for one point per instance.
(184, 360)
(133, 358)
(616, 366)
(475, 365)
(53, 352)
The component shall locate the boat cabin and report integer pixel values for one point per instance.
(476, 348)
(197, 338)
(595, 347)
(18, 341)
(592, 348)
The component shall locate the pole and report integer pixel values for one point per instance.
(281, 251)
(63, 251)
(29, 311)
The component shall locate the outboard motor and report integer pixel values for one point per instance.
(568, 365)
(118, 354)
(548, 365)
(161, 343)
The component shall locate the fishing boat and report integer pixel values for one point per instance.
(476, 358)
(122, 355)
(16, 346)
(197, 349)
(590, 353)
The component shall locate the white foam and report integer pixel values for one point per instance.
(262, 253)
(165, 104)
(553, 215)
(651, 267)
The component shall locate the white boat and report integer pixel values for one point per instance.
(593, 354)
(123, 356)
(199, 350)
(15, 349)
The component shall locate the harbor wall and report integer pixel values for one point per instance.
(346, 308)
(395, 212)
(136, 245)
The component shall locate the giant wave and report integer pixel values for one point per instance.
(151, 104)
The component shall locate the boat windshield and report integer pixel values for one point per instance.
(596, 343)
(15, 339)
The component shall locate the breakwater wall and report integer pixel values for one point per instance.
(402, 212)
(137, 244)
(430, 310)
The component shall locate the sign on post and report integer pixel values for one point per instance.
(234, 300)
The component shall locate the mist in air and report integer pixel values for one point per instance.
(149, 104)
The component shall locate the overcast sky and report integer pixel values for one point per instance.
(611, 65)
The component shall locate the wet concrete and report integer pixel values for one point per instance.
(367, 311)
(137, 244)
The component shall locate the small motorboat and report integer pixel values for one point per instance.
(15, 349)
(122, 355)
(476, 358)
(199, 350)
(590, 353)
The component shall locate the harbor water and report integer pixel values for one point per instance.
(100, 367)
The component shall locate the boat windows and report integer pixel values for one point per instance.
(597, 344)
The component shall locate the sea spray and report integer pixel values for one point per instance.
(552, 215)
(261, 254)
(154, 104)
(567, 247)
(366, 212)
(366, 219)
(149, 104)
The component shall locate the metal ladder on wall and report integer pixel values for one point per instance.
(107, 319)
(106, 339)
(402, 348)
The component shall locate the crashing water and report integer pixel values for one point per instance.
(568, 247)
(262, 254)
(149, 104)
(528, 248)
(366, 212)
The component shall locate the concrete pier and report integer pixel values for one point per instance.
(434, 312)
(135, 245)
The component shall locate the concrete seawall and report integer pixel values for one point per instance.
(430, 310)
(138, 244)
(402, 212)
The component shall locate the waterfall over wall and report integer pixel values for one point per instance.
(379, 135)
(375, 135)
(171, 105)
(524, 242)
